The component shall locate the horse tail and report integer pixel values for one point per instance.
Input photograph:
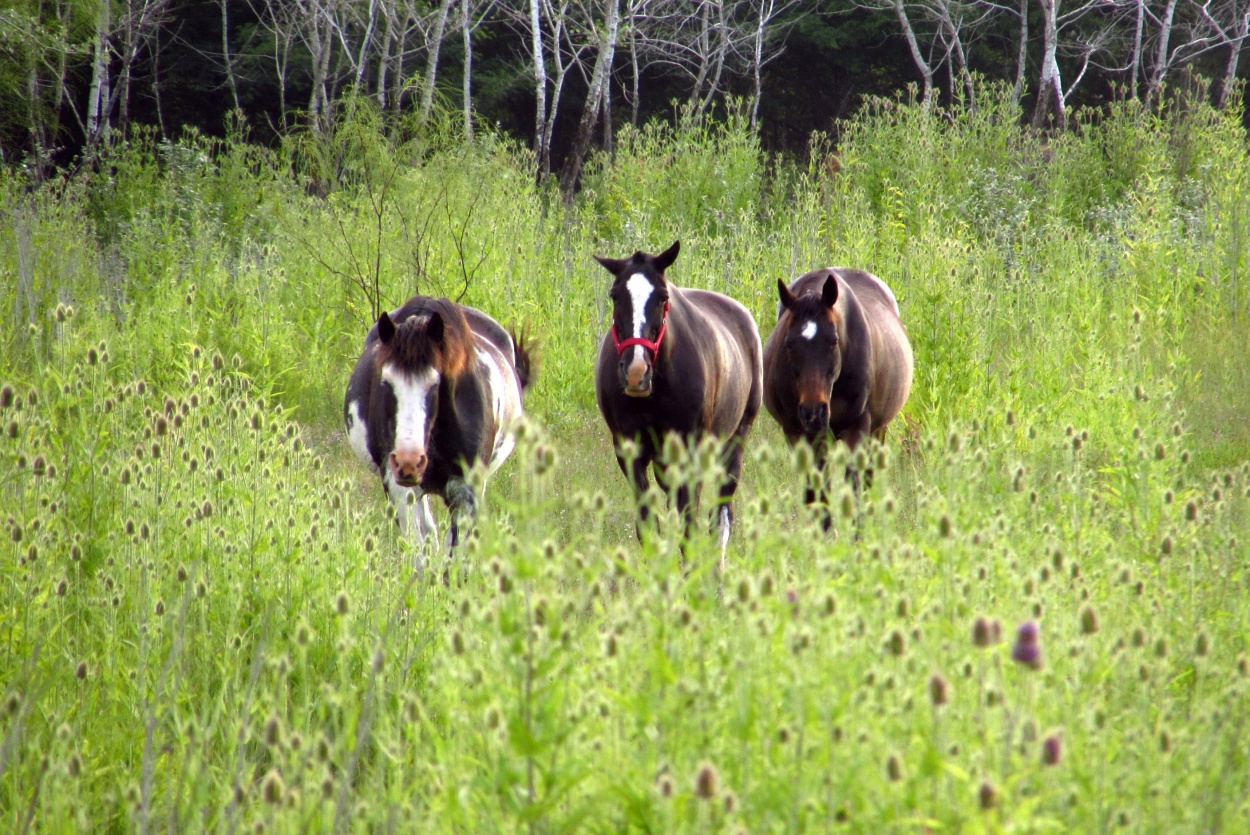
(524, 358)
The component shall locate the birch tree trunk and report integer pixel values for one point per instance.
(467, 31)
(540, 90)
(384, 57)
(364, 43)
(431, 62)
(1022, 55)
(225, 56)
(926, 72)
(722, 49)
(1049, 112)
(1135, 59)
(1160, 69)
(98, 92)
(594, 99)
(1234, 56)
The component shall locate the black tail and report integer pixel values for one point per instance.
(524, 358)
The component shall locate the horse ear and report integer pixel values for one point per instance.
(612, 265)
(666, 258)
(787, 298)
(829, 295)
(434, 330)
(386, 328)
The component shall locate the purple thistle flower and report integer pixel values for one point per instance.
(1052, 750)
(1028, 647)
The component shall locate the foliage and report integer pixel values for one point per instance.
(210, 621)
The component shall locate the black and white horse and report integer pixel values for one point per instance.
(437, 390)
(677, 361)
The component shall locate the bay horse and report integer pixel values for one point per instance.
(437, 389)
(676, 361)
(838, 364)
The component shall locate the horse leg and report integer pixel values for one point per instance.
(462, 506)
(851, 436)
(636, 471)
(725, 497)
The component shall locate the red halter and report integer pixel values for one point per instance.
(653, 347)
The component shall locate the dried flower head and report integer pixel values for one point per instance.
(706, 781)
(987, 796)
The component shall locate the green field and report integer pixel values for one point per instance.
(209, 622)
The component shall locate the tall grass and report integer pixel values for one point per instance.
(210, 622)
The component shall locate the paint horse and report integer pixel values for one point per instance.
(437, 390)
(838, 364)
(676, 361)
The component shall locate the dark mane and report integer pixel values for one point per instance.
(413, 348)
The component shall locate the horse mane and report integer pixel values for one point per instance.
(413, 349)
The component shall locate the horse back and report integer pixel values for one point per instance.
(733, 359)
(890, 359)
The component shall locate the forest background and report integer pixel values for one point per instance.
(563, 75)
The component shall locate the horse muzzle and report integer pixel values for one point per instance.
(814, 418)
(636, 378)
(407, 468)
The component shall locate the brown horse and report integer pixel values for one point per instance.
(838, 363)
(676, 361)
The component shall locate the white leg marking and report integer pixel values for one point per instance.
(809, 329)
(358, 435)
(723, 515)
(411, 392)
(412, 509)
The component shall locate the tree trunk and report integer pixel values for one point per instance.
(635, 71)
(364, 44)
(1234, 56)
(98, 93)
(384, 58)
(1022, 54)
(1049, 112)
(225, 56)
(926, 72)
(594, 99)
(467, 97)
(1135, 58)
(757, 60)
(1160, 69)
(540, 90)
(722, 49)
(431, 63)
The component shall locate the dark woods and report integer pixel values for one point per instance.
(564, 77)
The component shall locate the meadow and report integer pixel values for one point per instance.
(1035, 620)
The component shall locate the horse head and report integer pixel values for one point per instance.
(640, 305)
(813, 351)
(417, 360)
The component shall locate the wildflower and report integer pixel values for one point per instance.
(273, 789)
(987, 796)
(1028, 647)
(1052, 750)
(894, 768)
(939, 690)
(706, 781)
(1089, 621)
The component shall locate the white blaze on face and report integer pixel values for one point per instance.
(809, 329)
(411, 398)
(640, 289)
